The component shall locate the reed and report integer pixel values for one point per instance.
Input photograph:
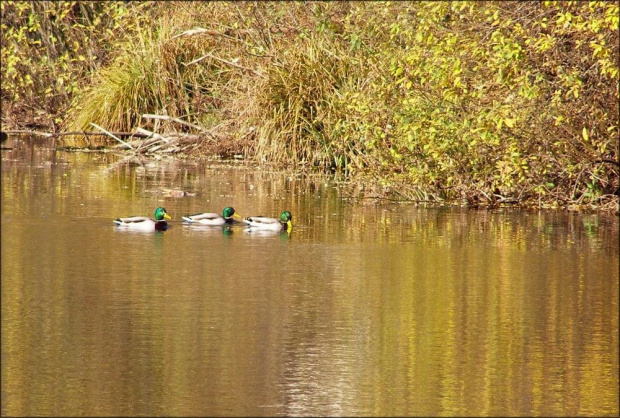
(298, 105)
(151, 75)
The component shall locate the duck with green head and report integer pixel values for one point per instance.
(273, 224)
(144, 223)
(213, 219)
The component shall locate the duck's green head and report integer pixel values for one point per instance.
(161, 214)
(229, 213)
(286, 218)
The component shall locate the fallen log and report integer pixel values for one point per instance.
(59, 134)
(111, 135)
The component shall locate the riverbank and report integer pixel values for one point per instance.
(392, 96)
(359, 187)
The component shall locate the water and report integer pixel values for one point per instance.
(365, 309)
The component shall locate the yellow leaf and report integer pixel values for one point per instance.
(584, 133)
(509, 123)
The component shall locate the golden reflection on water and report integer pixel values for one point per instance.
(364, 309)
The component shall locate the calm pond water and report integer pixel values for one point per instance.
(371, 309)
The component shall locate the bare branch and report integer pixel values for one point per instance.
(180, 121)
(111, 135)
(232, 64)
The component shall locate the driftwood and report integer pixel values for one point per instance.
(209, 132)
(152, 139)
(59, 134)
(159, 147)
(111, 135)
(142, 141)
(156, 144)
(98, 134)
(153, 135)
(38, 133)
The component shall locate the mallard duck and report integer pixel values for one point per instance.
(274, 224)
(214, 219)
(144, 223)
